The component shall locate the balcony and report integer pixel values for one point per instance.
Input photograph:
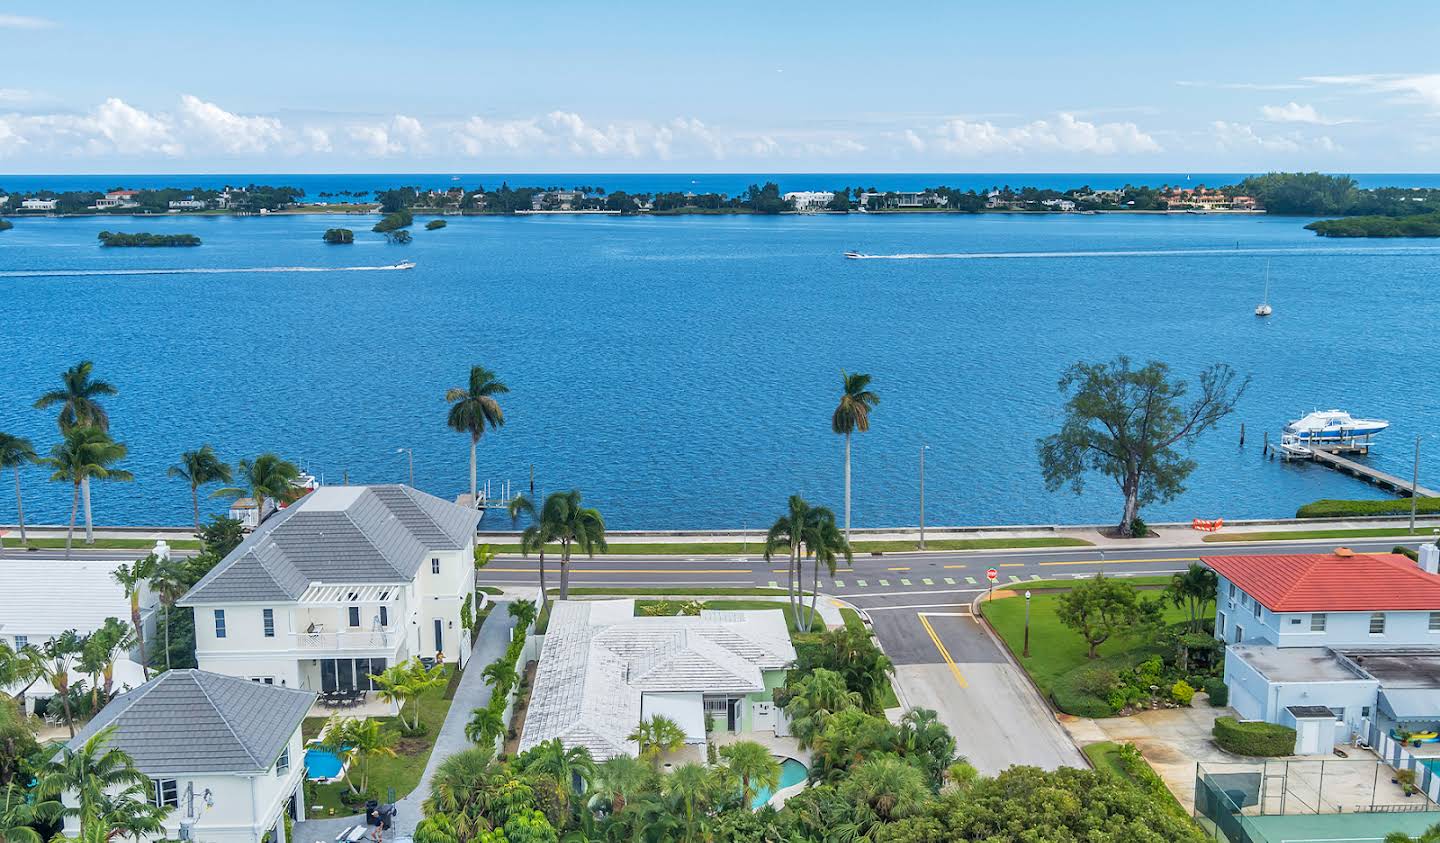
(350, 641)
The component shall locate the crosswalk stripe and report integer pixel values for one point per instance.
(884, 582)
(1034, 576)
(927, 581)
(839, 583)
(904, 581)
(1014, 578)
(970, 580)
(949, 580)
(774, 584)
(862, 583)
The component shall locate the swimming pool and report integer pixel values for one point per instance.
(791, 772)
(322, 764)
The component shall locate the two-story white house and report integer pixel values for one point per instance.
(225, 755)
(341, 584)
(1334, 645)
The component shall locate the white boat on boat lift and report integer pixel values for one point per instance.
(1333, 426)
(1292, 448)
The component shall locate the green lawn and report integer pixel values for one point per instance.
(1138, 582)
(1280, 536)
(1105, 756)
(13, 541)
(678, 588)
(401, 772)
(1055, 649)
(860, 547)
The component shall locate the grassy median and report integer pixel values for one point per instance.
(1295, 535)
(757, 547)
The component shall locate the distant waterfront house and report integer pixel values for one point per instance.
(245, 511)
(1358, 634)
(39, 204)
(45, 598)
(557, 200)
(1063, 205)
(810, 200)
(341, 584)
(117, 199)
(188, 204)
(602, 670)
(902, 199)
(225, 755)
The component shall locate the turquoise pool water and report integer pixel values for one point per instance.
(791, 772)
(322, 764)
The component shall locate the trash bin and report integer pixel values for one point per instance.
(372, 812)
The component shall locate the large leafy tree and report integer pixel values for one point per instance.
(473, 408)
(852, 415)
(84, 453)
(852, 653)
(267, 477)
(1101, 607)
(1128, 424)
(135, 578)
(79, 401)
(198, 468)
(16, 453)
(563, 519)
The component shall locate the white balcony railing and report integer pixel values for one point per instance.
(376, 639)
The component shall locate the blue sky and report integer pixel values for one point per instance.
(717, 87)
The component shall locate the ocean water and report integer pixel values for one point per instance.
(682, 371)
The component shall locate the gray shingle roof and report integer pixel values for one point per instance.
(352, 534)
(191, 721)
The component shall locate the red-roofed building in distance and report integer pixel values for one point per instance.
(1354, 634)
(118, 199)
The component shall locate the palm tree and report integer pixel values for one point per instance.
(500, 674)
(852, 415)
(563, 519)
(816, 696)
(657, 735)
(408, 681)
(823, 540)
(1194, 588)
(16, 453)
(199, 468)
(472, 409)
(169, 582)
(925, 741)
(20, 668)
(98, 654)
(753, 766)
(533, 537)
(20, 812)
(1429, 835)
(566, 766)
(624, 778)
(135, 578)
(60, 653)
(486, 724)
(111, 797)
(362, 740)
(85, 452)
(888, 786)
(265, 477)
(692, 787)
(78, 398)
(463, 788)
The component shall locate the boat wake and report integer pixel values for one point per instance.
(69, 273)
(1145, 253)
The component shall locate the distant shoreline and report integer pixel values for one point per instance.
(698, 212)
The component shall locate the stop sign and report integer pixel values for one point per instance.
(992, 574)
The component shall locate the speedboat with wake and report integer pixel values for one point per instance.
(403, 265)
(854, 256)
(1334, 426)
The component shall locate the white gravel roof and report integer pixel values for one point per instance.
(599, 661)
(43, 598)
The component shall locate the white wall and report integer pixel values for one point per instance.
(1292, 629)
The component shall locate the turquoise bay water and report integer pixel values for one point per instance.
(682, 371)
(791, 772)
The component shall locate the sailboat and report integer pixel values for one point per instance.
(1263, 308)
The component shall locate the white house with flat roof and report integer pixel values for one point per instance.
(810, 200)
(339, 585)
(602, 670)
(1355, 634)
(225, 755)
(39, 204)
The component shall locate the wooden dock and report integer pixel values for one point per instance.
(1385, 480)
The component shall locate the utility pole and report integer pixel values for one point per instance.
(923, 449)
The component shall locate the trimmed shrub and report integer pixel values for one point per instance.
(1405, 551)
(1330, 508)
(1218, 691)
(1078, 692)
(1254, 738)
(1181, 692)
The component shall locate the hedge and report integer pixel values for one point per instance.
(1218, 692)
(1254, 738)
(1349, 509)
(1067, 695)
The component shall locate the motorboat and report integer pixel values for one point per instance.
(1334, 426)
(855, 255)
(1293, 448)
(403, 265)
(1263, 308)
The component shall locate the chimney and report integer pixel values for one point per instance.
(1430, 559)
(162, 549)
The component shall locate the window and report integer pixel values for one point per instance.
(384, 617)
(282, 764)
(219, 623)
(1232, 591)
(268, 618)
(1220, 626)
(263, 680)
(1377, 623)
(1364, 711)
(22, 641)
(1338, 712)
(167, 793)
(1435, 621)
(1258, 610)
(354, 615)
(1239, 634)
(1295, 621)
(1317, 622)
(435, 565)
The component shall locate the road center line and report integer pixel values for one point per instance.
(944, 653)
(1100, 564)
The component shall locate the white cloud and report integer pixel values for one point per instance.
(15, 95)
(1065, 134)
(1294, 112)
(225, 130)
(131, 130)
(401, 135)
(1242, 136)
(24, 22)
(317, 140)
(1422, 88)
(1243, 86)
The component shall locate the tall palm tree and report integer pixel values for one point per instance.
(788, 532)
(267, 477)
(16, 453)
(533, 537)
(111, 796)
(101, 650)
(692, 788)
(78, 398)
(825, 543)
(852, 415)
(753, 766)
(85, 452)
(169, 582)
(563, 519)
(361, 740)
(199, 468)
(60, 654)
(20, 668)
(472, 409)
(135, 578)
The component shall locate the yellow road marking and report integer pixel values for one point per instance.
(944, 653)
(1125, 561)
(687, 572)
(897, 569)
(1012, 564)
(955, 566)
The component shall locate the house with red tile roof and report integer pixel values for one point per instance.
(1355, 634)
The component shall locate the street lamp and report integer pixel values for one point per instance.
(1026, 653)
(923, 449)
(411, 452)
(1102, 563)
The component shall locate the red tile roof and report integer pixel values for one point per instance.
(1325, 582)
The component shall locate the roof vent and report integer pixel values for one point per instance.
(1344, 552)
